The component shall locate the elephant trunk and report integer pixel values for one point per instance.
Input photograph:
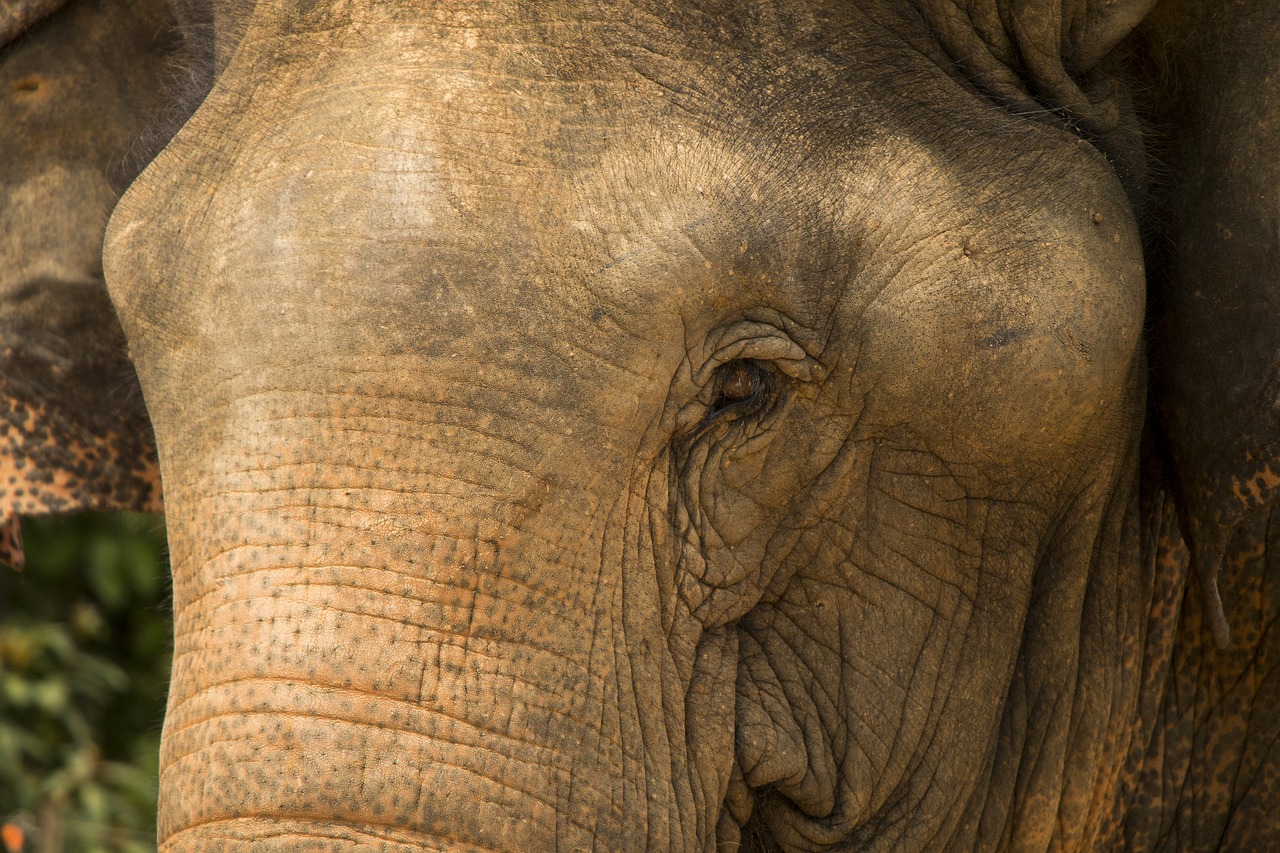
(369, 650)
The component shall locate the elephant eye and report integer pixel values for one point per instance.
(739, 384)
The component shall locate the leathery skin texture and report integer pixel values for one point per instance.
(668, 430)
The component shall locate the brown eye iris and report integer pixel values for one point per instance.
(741, 381)
(740, 386)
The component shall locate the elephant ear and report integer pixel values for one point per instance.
(1216, 288)
(73, 431)
(1048, 56)
(75, 90)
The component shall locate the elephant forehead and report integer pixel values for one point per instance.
(358, 176)
(408, 132)
(375, 196)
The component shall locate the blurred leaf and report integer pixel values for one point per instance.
(50, 696)
(16, 690)
(93, 800)
(87, 622)
(104, 572)
(140, 562)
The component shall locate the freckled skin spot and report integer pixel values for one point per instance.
(1216, 730)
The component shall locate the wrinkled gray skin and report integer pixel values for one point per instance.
(665, 428)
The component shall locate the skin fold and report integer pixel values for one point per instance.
(683, 426)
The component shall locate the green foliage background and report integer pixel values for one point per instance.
(85, 647)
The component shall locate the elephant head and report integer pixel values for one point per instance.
(640, 429)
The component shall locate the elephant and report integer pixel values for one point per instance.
(710, 426)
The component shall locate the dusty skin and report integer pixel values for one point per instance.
(694, 426)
